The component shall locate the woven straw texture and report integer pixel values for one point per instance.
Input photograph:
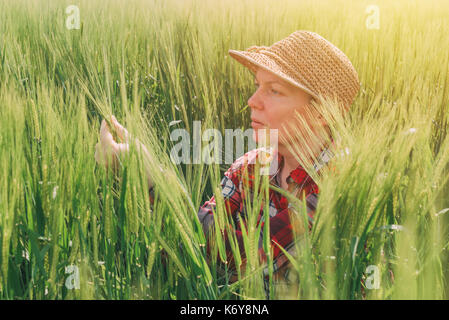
(308, 61)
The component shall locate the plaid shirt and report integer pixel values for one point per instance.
(281, 229)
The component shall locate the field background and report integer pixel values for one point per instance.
(154, 62)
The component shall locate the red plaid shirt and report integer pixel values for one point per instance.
(280, 225)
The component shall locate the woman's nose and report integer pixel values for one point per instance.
(255, 102)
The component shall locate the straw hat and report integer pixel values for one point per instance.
(308, 61)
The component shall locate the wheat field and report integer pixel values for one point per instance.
(69, 229)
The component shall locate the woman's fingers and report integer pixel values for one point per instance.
(107, 150)
(121, 131)
(105, 134)
(121, 148)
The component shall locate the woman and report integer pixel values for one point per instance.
(289, 76)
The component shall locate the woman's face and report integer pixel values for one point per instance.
(275, 103)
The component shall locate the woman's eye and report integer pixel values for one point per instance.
(274, 91)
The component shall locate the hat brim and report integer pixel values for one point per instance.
(253, 60)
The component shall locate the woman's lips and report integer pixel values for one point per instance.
(257, 125)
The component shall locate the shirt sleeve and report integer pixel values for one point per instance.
(232, 196)
(232, 200)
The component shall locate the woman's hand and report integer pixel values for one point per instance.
(108, 151)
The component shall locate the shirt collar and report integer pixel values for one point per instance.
(298, 174)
